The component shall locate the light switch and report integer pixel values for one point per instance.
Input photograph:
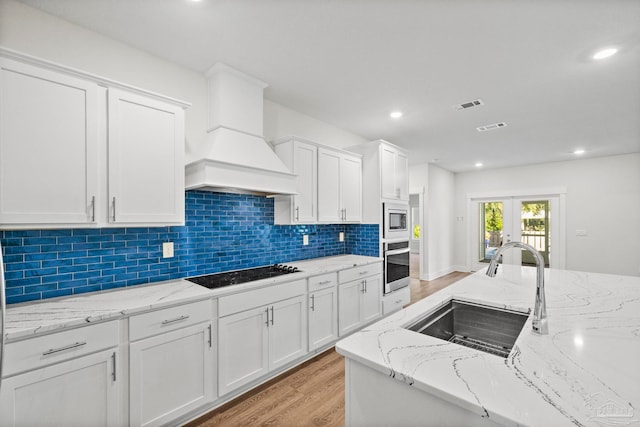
(167, 250)
(305, 239)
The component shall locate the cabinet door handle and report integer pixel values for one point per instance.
(362, 287)
(210, 336)
(272, 315)
(313, 302)
(114, 209)
(267, 322)
(66, 347)
(177, 319)
(365, 286)
(113, 360)
(93, 208)
(297, 213)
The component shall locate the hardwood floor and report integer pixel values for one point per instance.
(311, 394)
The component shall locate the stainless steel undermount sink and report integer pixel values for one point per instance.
(481, 327)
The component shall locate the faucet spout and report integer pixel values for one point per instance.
(539, 323)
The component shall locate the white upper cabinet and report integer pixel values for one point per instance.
(302, 159)
(339, 187)
(394, 173)
(329, 184)
(385, 177)
(67, 160)
(146, 160)
(48, 146)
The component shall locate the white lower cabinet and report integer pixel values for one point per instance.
(257, 340)
(359, 299)
(64, 380)
(172, 372)
(323, 310)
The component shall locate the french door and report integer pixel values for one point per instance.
(535, 220)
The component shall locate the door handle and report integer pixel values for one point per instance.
(271, 315)
(313, 302)
(267, 322)
(113, 360)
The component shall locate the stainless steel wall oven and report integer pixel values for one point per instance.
(396, 266)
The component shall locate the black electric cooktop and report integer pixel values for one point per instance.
(219, 280)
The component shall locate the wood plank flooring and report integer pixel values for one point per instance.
(311, 394)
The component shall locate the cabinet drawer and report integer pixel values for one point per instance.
(323, 281)
(53, 348)
(169, 319)
(396, 300)
(360, 272)
(255, 298)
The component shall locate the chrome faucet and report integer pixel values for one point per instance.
(540, 310)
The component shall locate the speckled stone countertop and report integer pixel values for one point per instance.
(24, 320)
(586, 371)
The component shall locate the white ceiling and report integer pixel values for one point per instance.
(351, 62)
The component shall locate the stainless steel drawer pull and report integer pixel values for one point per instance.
(267, 322)
(362, 273)
(272, 315)
(177, 319)
(66, 347)
(313, 302)
(210, 336)
(324, 282)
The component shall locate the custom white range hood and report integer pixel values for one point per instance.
(235, 156)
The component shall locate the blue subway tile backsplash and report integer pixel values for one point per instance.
(222, 232)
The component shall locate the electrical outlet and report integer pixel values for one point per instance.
(305, 239)
(167, 250)
(341, 237)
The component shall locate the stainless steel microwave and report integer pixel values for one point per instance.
(396, 221)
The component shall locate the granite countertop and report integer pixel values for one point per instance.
(586, 371)
(28, 319)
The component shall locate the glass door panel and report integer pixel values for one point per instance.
(535, 220)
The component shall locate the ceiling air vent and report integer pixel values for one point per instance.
(491, 127)
(470, 104)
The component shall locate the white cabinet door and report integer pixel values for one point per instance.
(387, 172)
(323, 317)
(329, 202)
(394, 173)
(372, 299)
(48, 146)
(171, 374)
(349, 306)
(305, 165)
(287, 331)
(146, 160)
(402, 175)
(80, 392)
(243, 353)
(359, 302)
(351, 188)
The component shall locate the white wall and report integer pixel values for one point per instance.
(45, 36)
(437, 251)
(603, 197)
(281, 121)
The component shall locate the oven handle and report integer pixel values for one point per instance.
(397, 251)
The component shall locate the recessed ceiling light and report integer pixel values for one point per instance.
(579, 151)
(605, 53)
(395, 114)
(479, 165)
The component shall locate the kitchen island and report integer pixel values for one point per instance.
(586, 371)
